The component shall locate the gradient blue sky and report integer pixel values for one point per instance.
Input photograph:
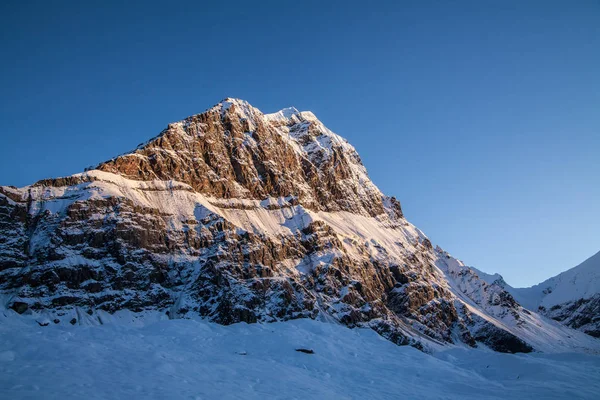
(482, 117)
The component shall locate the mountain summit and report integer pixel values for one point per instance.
(235, 215)
(233, 150)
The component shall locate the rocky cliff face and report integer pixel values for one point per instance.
(235, 215)
(582, 314)
(233, 151)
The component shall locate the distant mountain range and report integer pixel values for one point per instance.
(234, 215)
(571, 297)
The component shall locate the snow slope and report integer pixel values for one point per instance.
(543, 333)
(189, 359)
(580, 282)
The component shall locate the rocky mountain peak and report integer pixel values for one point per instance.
(284, 114)
(233, 150)
(233, 106)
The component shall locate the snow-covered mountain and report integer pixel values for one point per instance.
(235, 215)
(571, 297)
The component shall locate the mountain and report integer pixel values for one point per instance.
(238, 216)
(571, 297)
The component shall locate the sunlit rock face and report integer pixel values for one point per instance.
(233, 151)
(235, 215)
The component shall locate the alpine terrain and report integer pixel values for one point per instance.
(572, 297)
(238, 216)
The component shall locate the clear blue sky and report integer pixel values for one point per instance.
(482, 117)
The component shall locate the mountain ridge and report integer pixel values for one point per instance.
(571, 297)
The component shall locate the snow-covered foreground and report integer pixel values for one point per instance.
(187, 359)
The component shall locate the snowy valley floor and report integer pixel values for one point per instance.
(186, 359)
